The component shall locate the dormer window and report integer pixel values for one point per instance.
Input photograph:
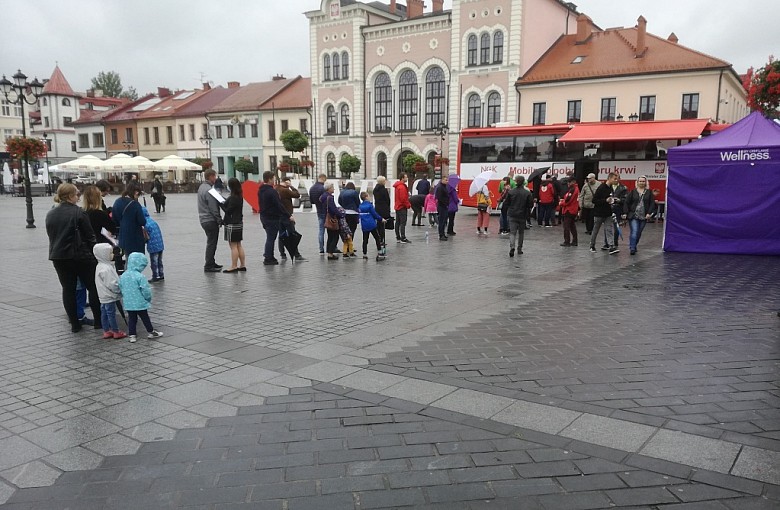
(578, 59)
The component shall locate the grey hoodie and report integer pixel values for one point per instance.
(106, 279)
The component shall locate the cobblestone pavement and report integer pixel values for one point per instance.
(448, 374)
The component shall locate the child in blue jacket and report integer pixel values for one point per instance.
(137, 296)
(368, 224)
(155, 247)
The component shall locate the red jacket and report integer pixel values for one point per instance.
(570, 203)
(546, 193)
(401, 196)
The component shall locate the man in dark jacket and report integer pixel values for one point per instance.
(382, 205)
(619, 195)
(518, 204)
(315, 192)
(442, 194)
(287, 224)
(271, 214)
(423, 187)
(602, 213)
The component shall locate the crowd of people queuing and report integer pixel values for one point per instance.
(99, 252)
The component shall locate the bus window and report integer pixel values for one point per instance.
(485, 149)
(534, 148)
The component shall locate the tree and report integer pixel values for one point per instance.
(109, 82)
(410, 162)
(294, 141)
(245, 167)
(130, 94)
(349, 164)
(763, 88)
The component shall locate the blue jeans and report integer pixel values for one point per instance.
(503, 223)
(81, 298)
(108, 316)
(155, 260)
(637, 226)
(271, 227)
(321, 234)
(545, 213)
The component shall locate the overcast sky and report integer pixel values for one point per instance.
(173, 43)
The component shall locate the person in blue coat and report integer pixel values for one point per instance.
(129, 217)
(350, 201)
(137, 296)
(155, 247)
(369, 219)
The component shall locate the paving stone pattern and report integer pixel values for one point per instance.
(228, 409)
(323, 447)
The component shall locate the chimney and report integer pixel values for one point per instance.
(414, 8)
(206, 86)
(392, 6)
(91, 93)
(278, 77)
(233, 85)
(163, 92)
(672, 38)
(641, 36)
(438, 5)
(584, 29)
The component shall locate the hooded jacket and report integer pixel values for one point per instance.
(155, 243)
(135, 289)
(106, 279)
(401, 196)
(130, 218)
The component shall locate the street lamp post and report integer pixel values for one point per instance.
(441, 130)
(19, 87)
(48, 175)
(206, 140)
(308, 136)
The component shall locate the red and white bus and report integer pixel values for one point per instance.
(629, 148)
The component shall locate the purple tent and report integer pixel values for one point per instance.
(723, 191)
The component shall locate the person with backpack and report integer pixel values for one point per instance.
(483, 210)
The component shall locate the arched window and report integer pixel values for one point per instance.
(336, 67)
(381, 164)
(484, 49)
(330, 120)
(432, 158)
(475, 111)
(498, 47)
(494, 108)
(326, 68)
(383, 103)
(407, 97)
(65, 101)
(345, 66)
(344, 118)
(472, 55)
(330, 167)
(434, 97)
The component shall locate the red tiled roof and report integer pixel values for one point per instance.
(250, 97)
(57, 84)
(296, 95)
(169, 105)
(205, 102)
(129, 111)
(103, 101)
(613, 53)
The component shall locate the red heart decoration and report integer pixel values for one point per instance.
(250, 189)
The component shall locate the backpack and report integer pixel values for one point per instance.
(483, 202)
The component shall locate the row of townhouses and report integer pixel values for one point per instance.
(389, 79)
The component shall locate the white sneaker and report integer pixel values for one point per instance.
(154, 334)
(131, 338)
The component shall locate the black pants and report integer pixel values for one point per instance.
(450, 222)
(570, 228)
(417, 215)
(400, 223)
(157, 202)
(333, 242)
(212, 236)
(352, 223)
(68, 271)
(380, 229)
(378, 240)
(587, 216)
(443, 217)
(132, 321)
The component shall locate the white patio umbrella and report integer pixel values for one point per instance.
(174, 163)
(118, 163)
(87, 163)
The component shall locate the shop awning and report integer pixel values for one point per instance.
(635, 131)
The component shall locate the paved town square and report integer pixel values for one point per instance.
(446, 376)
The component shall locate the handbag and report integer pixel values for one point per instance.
(331, 223)
(145, 233)
(390, 223)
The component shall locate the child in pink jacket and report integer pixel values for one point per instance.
(430, 208)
